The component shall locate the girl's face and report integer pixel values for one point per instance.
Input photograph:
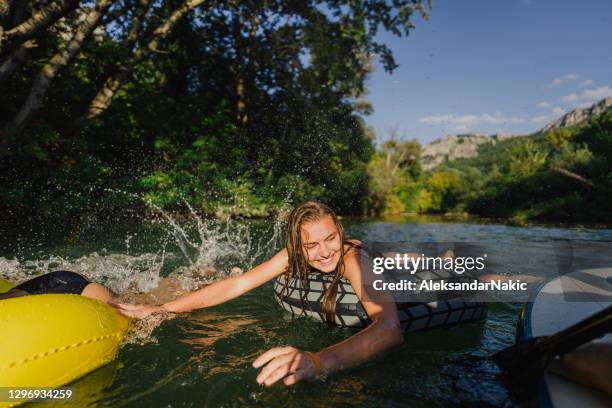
(321, 244)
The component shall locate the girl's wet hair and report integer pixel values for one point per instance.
(299, 269)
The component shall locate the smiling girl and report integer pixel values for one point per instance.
(315, 243)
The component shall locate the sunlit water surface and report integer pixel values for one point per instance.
(204, 358)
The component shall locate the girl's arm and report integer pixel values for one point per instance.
(217, 292)
(230, 288)
(385, 332)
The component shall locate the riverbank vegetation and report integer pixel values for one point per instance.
(561, 175)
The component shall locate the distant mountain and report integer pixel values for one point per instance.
(456, 147)
(466, 146)
(579, 115)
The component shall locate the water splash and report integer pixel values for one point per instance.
(220, 249)
(120, 272)
(194, 252)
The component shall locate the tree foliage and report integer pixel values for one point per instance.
(561, 175)
(234, 106)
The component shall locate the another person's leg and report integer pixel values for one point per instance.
(65, 282)
(13, 293)
(100, 292)
(589, 364)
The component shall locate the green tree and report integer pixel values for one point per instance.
(233, 106)
(393, 172)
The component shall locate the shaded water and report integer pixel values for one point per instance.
(204, 358)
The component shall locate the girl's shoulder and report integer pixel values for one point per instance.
(352, 247)
(353, 243)
(281, 258)
(357, 258)
(357, 249)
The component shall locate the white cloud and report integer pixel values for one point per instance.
(570, 98)
(555, 112)
(586, 82)
(589, 95)
(541, 119)
(563, 79)
(469, 120)
(558, 111)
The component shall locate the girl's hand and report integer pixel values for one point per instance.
(284, 362)
(138, 311)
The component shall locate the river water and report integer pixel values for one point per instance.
(203, 359)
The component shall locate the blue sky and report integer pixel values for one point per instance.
(493, 66)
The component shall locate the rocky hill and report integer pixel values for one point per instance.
(580, 115)
(466, 146)
(456, 147)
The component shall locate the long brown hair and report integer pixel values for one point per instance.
(299, 269)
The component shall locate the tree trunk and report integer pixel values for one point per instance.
(51, 69)
(572, 175)
(137, 22)
(40, 20)
(15, 59)
(104, 97)
(165, 29)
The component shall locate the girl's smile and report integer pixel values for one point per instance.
(321, 244)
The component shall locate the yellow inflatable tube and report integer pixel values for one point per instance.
(51, 340)
(5, 286)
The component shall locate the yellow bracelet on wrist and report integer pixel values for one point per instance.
(315, 360)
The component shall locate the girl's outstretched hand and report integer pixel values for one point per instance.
(287, 363)
(138, 311)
